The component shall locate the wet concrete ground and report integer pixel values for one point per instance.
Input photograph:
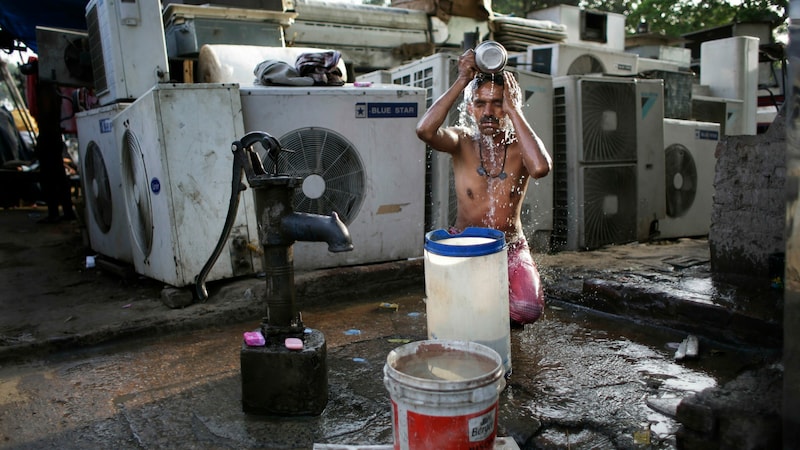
(92, 359)
(579, 381)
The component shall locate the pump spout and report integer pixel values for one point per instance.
(306, 227)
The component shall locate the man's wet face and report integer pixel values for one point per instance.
(487, 107)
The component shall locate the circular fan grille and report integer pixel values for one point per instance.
(609, 205)
(137, 198)
(332, 172)
(609, 121)
(585, 64)
(98, 188)
(681, 180)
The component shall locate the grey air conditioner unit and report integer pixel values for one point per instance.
(608, 161)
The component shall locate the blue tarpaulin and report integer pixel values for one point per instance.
(19, 18)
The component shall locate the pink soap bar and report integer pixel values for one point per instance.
(254, 339)
(293, 344)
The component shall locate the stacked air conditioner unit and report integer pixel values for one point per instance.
(369, 37)
(729, 67)
(106, 219)
(189, 27)
(358, 155)
(435, 74)
(174, 145)
(597, 29)
(127, 47)
(571, 59)
(689, 154)
(727, 112)
(537, 206)
(608, 161)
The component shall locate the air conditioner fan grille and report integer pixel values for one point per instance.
(609, 121)
(137, 187)
(681, 180)
(98, 188)
(328, 155)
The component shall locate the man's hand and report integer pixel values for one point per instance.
(467, 68)
(512, 94)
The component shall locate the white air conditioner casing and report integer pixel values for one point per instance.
(537, 206)
(358, 153)
(729, 67)
(680, 56)
(608, 160)
(435, 74)
(175, 148)
(690, 161)
(569, 59)
(98, 150)
(648, 64)
(127, 47)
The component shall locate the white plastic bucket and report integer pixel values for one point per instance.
(444, 395)
(466, 288)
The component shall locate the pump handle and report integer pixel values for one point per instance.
(270, 144)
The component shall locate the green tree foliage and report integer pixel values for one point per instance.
(670, 17)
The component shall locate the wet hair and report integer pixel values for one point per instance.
(481, 78)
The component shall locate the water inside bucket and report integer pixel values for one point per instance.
(446, 365)
(466, 240)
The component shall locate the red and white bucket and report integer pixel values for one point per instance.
(444, 395)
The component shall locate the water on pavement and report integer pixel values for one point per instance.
(580, 380)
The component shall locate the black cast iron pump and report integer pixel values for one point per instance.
(278, 378)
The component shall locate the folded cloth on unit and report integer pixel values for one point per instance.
(274, 72)
(323, 67)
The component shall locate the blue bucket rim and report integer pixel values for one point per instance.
(497, 243)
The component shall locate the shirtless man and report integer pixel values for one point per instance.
(493, 161)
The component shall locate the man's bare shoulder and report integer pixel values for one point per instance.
(452, 139)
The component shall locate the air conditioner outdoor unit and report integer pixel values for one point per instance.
(176, 164)
(63, 56)
(689, 152)
(727, 112)
(569, 59)
(537, 206)
(189, 27)
(729, 67)
(106, 219)
(358, 153)
(368, 36)
(127, 47)
(585, 26)
(435, 74)
(608, 161)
